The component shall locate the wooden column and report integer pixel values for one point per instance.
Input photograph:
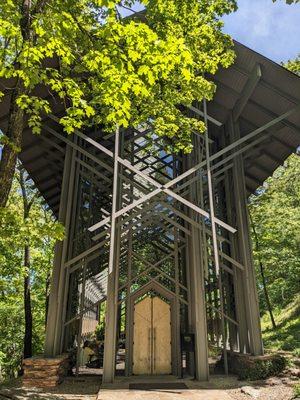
(195, 271)
(197, 305)
(112, 283)
(54, 328)
(247, 278)
(242, 344)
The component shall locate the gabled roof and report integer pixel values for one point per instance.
(274, 93)
(255, 87)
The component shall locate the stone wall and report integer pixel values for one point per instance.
(45, 372)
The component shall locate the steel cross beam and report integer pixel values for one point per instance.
(165, 187)
(160, 188)
(201, 113)
(247, 91)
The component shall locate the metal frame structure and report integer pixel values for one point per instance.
(138, 218)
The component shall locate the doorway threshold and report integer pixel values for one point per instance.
(142, 382)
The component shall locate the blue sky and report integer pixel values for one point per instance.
(272, 29)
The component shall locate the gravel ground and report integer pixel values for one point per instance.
(269, 389)
(280, 392)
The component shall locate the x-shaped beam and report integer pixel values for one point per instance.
(159, 188)
(166, 187)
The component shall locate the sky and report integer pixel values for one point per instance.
(272, 29)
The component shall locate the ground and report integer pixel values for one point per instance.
(219, 388)
(286, 337)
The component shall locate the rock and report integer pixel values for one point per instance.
(273, 381)
(250, 391)
(296, 361)
(295, 372)
(285, 380)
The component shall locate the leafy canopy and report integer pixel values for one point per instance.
(289, 1)
(294, 65)
(110, 70)
(40, 231)
(275, 214)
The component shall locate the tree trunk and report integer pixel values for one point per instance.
(16, 117)
(47, 293)
(262, 272)
(27, 305)
(10, 150)
(263, 278)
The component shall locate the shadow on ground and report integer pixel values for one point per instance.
(71, 389)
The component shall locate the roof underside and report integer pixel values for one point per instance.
(276, 92)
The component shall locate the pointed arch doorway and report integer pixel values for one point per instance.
(153, 335)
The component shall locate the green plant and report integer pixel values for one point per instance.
(296, 353)
(297, 390)
(108, 70)
(100, 331)
(259, 369)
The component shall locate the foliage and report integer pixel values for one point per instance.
(297, 390)
(257, 369)
(289, 1)
(287, 335)
(294, 65)
(110, 70)
(40, 231)
(275, 213)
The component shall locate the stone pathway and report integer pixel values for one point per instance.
(219, 388)
(202, 394)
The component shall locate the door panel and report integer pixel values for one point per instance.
(152, 337)
(161, 337)
(142, 337)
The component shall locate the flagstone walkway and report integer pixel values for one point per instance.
(159, 388)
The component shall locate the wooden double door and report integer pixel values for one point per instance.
(152, 353)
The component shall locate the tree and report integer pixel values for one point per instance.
(108, 70)
(289, 1)
(266, 225)
(294, 65)
(262, 274)
(28, 232)
(275, 214)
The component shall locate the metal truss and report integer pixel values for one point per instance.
(137, 218)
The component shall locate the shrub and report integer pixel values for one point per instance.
(257, 368)
(297, 390)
